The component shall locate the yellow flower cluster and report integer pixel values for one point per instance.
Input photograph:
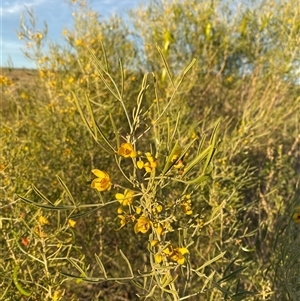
(162, 227)
(125, 219)
(57, 295)
(148, 166)
(174, 254)
(145, 220)
(186, 205)
(157, 209)
(126, 150)
(5, 81)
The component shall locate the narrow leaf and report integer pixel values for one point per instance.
(39, 193)
(115, 130)
(50, 207)
(209, 262)
(213, 147)
(101, 265)
(66, 189)
(197, 160)
(166, 65)
(91, 113)
(231, 275)
(105, 139)
(169, 162)
(127, 261)
(190, 65)
(197, 180)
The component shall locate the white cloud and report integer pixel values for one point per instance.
(16, 7)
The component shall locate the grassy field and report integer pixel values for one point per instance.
(156, 162)
(20, 76)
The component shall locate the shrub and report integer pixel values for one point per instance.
(155, 162)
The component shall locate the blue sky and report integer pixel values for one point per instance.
(55, 12)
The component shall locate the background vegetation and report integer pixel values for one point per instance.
(246, 73)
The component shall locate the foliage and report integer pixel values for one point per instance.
(156, 162)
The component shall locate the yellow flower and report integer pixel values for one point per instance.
(178, 164)
(23, 95)
(296, 215)
(176, 254)
(79, 42)
(147, 167)
(151, 164)
(138, 210)
(20, 36)
(126, 150)
(71, 223)
(151, 160)
(43, 220)
(122, 221)
(157, 209)
(229, 79)
(154, 242)
(39, 36)
(143, 224)
(140, 164)
(158, 258)
(194, 135)
(38, 230)
(160, 229)
(57, 295)
(101, 183)
(126, 198)
(5, 81)
(176, 154)
(125, 218)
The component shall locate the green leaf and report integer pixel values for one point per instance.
(66, 189)
(232, 275)
(244, 295)
(166, 65)
(39, 193)
(128, 263)
(213, 140)
(101, 266)
(197, 180)
(51, 207)
(209, 262)
(196, 160)
(169, 162)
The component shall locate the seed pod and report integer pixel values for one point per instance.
(17, 284)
